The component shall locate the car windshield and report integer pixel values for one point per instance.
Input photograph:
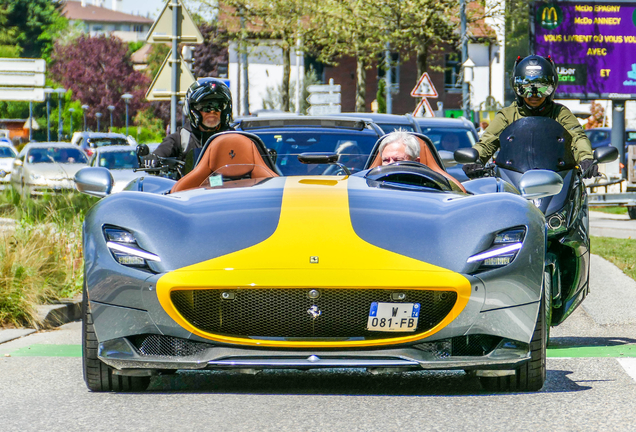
(449, 139)
(353, 148)
(597, 136)
(56, 154)
(106, 141)
(126, 159)
(388, 128)
(6, 152)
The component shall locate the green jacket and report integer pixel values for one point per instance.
(489, 142)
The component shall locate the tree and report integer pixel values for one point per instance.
(36, 23)
(212, 53)
(597, 117)
(8, 35)
(98, 70)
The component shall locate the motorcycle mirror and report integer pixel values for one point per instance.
(466, 155)
(142, 150)
(605, 154)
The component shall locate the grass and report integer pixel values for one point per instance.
(611, 210)
(41, 262)
(620, 252)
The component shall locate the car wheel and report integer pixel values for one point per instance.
(98, 376)
(531, 375)
(631, 211)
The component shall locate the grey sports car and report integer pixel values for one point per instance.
(393, 268)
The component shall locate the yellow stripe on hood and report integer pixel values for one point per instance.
(314, 222)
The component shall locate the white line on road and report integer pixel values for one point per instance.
(629, 364)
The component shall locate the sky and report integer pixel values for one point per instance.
(140, 7)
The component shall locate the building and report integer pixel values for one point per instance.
(99, 20)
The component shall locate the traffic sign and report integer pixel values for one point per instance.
(22, 94)
(323, 109)
(424, 109)
(22, 79)
(424, 87)
(161, 30)
(161, 86)
(324, 98)
(323, 88)
(22, 65)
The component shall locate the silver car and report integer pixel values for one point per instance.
(90, 141)
(121, 160)
(7, 155)
(45, 168)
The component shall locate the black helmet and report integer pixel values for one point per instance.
(534, 76)
(208, 91)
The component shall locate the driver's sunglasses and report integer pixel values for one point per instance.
(210, 106)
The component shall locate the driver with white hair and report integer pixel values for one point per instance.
(399, 146)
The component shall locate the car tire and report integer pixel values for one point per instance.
(98, 376)
(631, 211)
(532, 374)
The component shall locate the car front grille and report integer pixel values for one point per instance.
(286, 313)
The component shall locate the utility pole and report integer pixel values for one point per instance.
(465, 88)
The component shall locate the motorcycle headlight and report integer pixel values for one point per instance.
(557, 222)
(503, 250)
(124, 248)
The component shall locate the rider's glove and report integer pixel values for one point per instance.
(588, 168)
(474, 170)
(150, 161)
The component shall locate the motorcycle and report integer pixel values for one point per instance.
(542, 143)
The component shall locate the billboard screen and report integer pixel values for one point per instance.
(593, 45)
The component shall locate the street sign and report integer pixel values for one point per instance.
(424, 87)
(22, 65)
(323, 88)
(161, 30)
(22, 94)
(22, 79)
(323, 109)
(424, 109)
(324, 98)
(161, 86)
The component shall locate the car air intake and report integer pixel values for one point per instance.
(287, 313)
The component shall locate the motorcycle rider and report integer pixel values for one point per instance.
(534, 81)
(208, 107)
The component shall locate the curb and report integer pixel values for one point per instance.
(55, 315)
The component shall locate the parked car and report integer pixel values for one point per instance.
(387, 122)
(448, 135)
(234, 266)
(45, 168)
(7, 155)
(288, 136)
(602, 136)
(89, 141)
(121, 160)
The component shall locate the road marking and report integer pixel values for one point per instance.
(625, 350)
(48, 350)
(629, 364)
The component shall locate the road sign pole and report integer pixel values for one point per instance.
(30, 120)
(176, 20)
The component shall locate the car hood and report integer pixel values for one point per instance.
(192, 227)
(122, 177)
(55, 170)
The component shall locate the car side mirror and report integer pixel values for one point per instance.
(466, 155)
(17, 162)
(95, 181)
(448, 158)
(605, 154)
(535, 184)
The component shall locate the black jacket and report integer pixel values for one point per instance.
(171, 145)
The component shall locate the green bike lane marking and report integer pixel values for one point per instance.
(626, 350)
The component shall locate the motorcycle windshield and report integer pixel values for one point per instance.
(535, 143)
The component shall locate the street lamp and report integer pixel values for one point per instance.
(71, 110)
(111, 108)
(98, 115)
(84, 108)
(60, 92)
(127, 97)
(47, 92)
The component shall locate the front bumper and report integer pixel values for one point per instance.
(127, 359)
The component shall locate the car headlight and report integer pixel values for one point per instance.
(503, 250)
(123, 245)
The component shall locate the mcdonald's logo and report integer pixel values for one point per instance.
(549, 16)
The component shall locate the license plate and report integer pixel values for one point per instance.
(393, 317)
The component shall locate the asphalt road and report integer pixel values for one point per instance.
(591, 386)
